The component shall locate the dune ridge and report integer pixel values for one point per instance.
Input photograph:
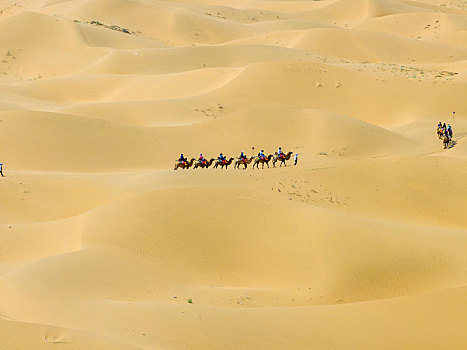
(360, 246)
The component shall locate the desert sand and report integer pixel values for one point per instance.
(362, 245)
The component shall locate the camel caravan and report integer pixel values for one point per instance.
(445, 133)
(242, 161)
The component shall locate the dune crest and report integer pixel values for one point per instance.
(361, 245)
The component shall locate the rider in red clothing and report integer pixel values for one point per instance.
(201, 159)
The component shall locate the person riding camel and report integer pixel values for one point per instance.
(182, 159)
(201, 159)
(280, 153)
(449, 131)
(261, 154)
(444, 127)
(440, 125)
(242, 157)
(221, 158)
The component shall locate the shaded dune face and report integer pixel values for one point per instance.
(104, 246)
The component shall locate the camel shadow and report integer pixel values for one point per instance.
(452, 144)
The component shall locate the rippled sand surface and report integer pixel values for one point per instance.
(362, 245)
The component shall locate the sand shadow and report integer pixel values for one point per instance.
(452, 144)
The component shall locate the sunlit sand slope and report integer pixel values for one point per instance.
(362, 245)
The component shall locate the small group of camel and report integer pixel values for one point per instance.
(447, 138)
(238, 162)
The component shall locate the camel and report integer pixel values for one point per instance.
(184, 165)
(245, 162)
(281, 159)
(226, 163)
(262, 161)
(446, 141)
(440, 132)
(202, 165)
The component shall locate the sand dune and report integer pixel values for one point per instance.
(62, 38)
(360, 246)
(43, 337)
(183, 59)
(375, 47)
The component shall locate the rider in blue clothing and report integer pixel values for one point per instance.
(221, 158)
(280, 153)
(261, 154)
(182, 158)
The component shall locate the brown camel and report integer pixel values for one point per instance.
(262, 161)
(446, 141)
(206, 165)
(440, 132)
(184, 165)
(226, 163)
(243, 161)
(281, 159)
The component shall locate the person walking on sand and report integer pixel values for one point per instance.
(295, 159)
(1, 170)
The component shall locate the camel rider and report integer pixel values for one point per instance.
(242, 156)
(182, 159)
(280, 153)
(450, 131)
(444, 127)
(261, 154)
(202, 159)
(221, 158)
(440, 125)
